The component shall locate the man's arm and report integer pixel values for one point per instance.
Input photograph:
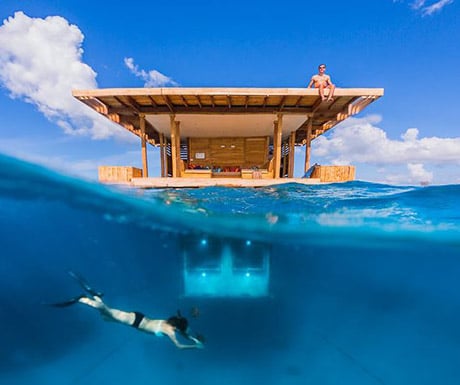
(197, 345)
(311, 83)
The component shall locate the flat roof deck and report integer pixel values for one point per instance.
(238, 110)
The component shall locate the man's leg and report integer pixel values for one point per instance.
(321, 91)
(331, 92)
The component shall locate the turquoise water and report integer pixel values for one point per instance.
(362, 288)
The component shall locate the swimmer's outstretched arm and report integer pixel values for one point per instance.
(197, 345)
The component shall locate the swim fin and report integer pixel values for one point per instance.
(65, 303)
(82, 282)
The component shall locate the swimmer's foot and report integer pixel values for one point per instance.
(330, 99)
(69, 302)
(82, 282)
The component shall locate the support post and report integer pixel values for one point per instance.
(284, 158)
(277, 145)
(178, 159)
(173, 144)
(145, 168)
(308, 144)
(163, 155)
(291, 154)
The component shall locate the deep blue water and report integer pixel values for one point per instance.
(363, 283)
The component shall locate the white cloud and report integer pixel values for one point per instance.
(70, 164)
(436, 7)
(152, 78)
(41, 62)
(360, 141)
(417, 4)
(417, 173)
(427, 8)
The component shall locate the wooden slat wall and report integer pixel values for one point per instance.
(118, 174)
(199, 145)
(229, 152)
(256, 152)
(334, 173)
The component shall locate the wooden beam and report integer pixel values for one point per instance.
(246, 101)
(277, 135)
(119, 100)
(133, 104)
(145, 168)
(168, 103)
(199, 101)
(100, 106)
(184, 101)
(211, 110)
(282, 102)
(229, 101)
(308, 144)
(154, 103)
(297, 103)
(265, 101)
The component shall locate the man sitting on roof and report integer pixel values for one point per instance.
(322, 81)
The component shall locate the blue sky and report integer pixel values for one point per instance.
(410, 48)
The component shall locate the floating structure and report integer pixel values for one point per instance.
(225, 136)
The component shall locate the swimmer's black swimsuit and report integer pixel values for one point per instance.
(138, 319)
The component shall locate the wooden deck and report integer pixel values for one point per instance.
(226, 182)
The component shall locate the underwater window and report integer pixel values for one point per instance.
(202, 253)
(250, 255)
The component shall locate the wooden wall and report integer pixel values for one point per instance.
(334, 173)
(118, 174)
(228, 152)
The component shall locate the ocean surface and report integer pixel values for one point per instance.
(362, 287)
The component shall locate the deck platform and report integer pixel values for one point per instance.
(227, 182)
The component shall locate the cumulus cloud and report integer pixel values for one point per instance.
(427, 8)
(360, 140)
(152, 78)
(41, 62)
(418, 173)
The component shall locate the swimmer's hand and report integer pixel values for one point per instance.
(198, 341)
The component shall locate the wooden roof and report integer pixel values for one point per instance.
(196, 107)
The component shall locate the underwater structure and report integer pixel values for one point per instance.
(219, 267)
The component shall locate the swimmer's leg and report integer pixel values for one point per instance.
(82, 282)
(109, 313)
(69, 302)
